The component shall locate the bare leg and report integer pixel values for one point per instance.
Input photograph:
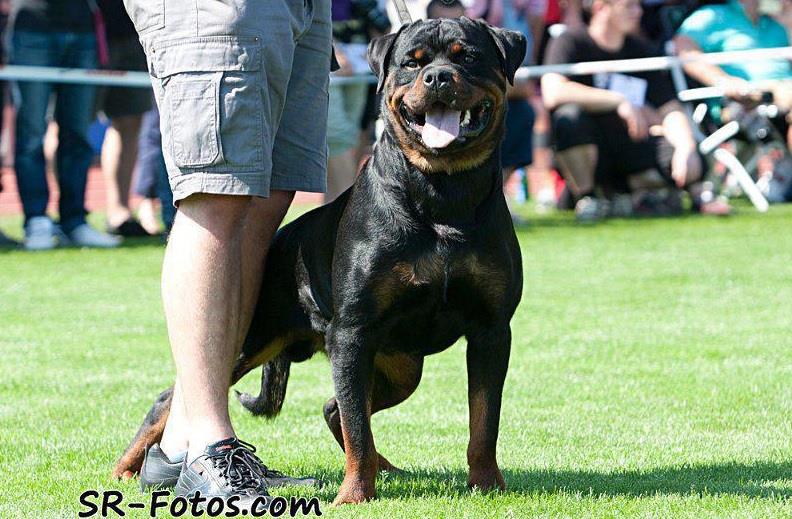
(208, 307)
(341, 171)
(578, 165)
(119, 153)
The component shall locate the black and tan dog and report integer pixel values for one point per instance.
(418, 253)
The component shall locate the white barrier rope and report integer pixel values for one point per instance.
(143, 80)
(656, 63)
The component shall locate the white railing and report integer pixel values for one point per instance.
(142, 79)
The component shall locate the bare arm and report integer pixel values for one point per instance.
(558, 90)
(676, 126)
(712, 75)
(686, 166)
(705, 73)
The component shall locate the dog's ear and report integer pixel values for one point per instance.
(379, 54)
(512, 46)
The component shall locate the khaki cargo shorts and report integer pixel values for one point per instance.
(242, 89)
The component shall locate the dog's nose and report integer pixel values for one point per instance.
(437, 78)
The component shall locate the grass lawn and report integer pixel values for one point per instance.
(651, 375)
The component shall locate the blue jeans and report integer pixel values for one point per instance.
(74, 110)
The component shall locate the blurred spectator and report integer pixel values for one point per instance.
(124, 107)
(785, 16)
(5, 241)
(152, 177)
(517, 145)
(738, 25)
(55, 33)
(445, 9)
(606, 126)
(355, 22)
(525, 16)
(566, 14)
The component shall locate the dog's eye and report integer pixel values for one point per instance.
(469, 59)
(411, 64)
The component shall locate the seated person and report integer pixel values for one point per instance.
(613, 131)
(738, 25)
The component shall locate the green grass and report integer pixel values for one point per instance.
(651, 375)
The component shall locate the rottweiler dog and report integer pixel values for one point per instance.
(419, 252)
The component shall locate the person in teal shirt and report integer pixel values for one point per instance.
(734, 26)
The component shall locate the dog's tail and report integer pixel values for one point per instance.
(274, 378)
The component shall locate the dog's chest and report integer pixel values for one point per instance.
(428, 301)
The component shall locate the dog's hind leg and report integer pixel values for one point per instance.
(150, 432)
(395, 378)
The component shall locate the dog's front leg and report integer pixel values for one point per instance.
(487, 362)
(353, 362)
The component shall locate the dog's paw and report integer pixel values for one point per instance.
(486, 478)
(354, 491)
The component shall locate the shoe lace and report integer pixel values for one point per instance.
(241, 467)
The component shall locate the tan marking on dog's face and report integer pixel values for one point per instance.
(426, 159)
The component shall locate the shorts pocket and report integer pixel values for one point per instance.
(213, 89)
(146, 15)
(194, 121)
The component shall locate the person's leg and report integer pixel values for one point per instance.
(119, 153)
(342, 133)
(31, 99)
(228, 280)
(125, 108)
(578, 165)
(517, 144)
(202, 310)
(576, 150)
(151, 174)
(74, 112)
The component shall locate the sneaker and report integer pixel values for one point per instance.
(159, 471)
(86, 236)
(40, 234)
(589, 209)
(621, 206)
(225, 469)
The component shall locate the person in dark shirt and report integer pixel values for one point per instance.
(55, 33)
(616, 133)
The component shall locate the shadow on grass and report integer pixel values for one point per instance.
(751, 480)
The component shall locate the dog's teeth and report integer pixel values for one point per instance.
(466, 119)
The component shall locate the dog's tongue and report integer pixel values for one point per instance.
(441, 127)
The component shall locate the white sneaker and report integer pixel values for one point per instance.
(40, 234)
(86, 236)
(589, 209)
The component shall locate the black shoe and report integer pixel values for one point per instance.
(7, 243)
(225, 469)
(130, 228)
(158, 471)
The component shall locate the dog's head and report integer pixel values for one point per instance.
(444, 87)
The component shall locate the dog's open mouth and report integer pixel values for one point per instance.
(441, 125)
